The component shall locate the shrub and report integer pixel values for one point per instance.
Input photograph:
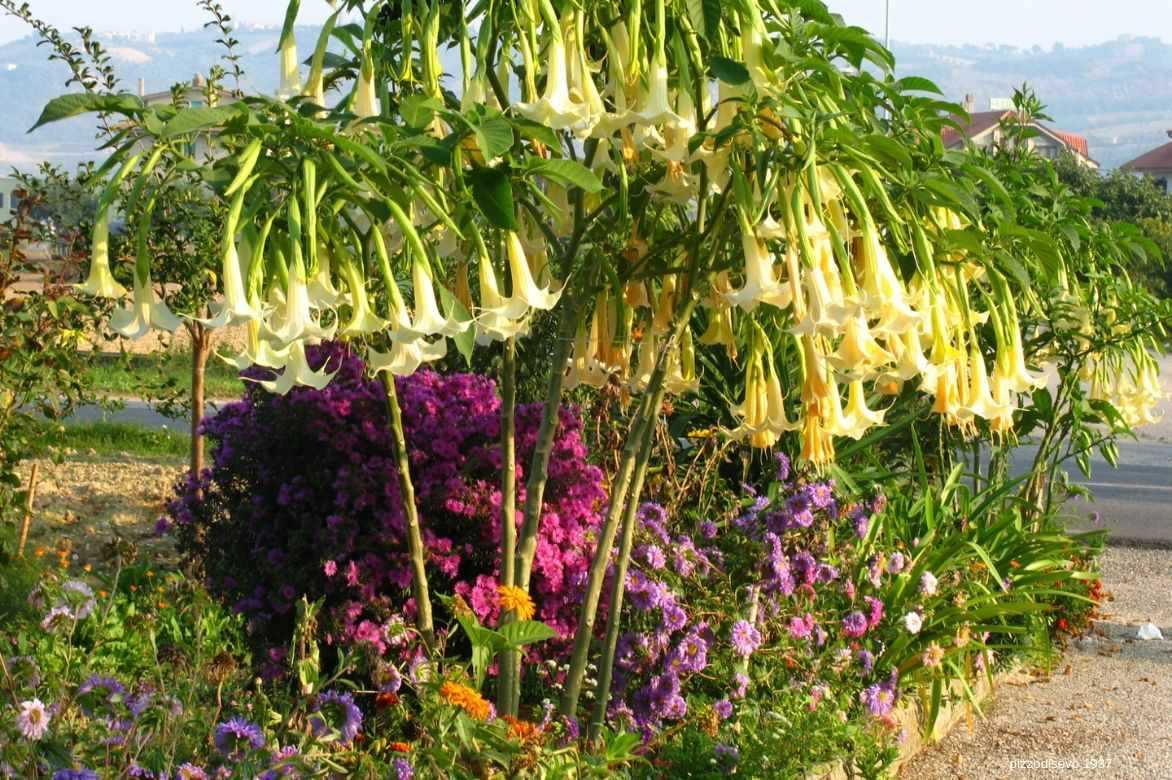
(302, 498)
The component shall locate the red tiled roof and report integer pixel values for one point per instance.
(1156, 160)
(982, 121)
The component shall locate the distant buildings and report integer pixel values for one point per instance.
(984, 130)
(8, 199)
(1156, 163)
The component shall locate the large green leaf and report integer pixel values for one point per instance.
(494, 136)
(568, 173)
(191, 120)
(494, 196)
(525, 632)
(75, 104)
(728, 71)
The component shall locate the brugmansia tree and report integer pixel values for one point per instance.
(672, 180)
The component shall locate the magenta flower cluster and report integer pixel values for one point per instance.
(302, 499)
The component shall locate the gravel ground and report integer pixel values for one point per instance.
(84, 503)
(1104, 713)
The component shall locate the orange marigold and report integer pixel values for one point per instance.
(400, 747)
(522, 730)
(466, 699)
(517, 601)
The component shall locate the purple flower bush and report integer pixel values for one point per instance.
(302, 499)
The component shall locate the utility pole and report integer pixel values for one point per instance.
(887, 28)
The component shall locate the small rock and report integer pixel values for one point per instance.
(1148, 631)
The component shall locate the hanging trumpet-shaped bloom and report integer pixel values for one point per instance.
(753, 411)
(525, 290)
(292, 320)
(681, 374)
(290, 68)
(145, 312)
(427, 320)
(862, 418)
(978, 401)
(822, 315)
(363, 320)
(257, 352)
(404, 359)
(761, 283)
(366, 103)
(859, 354)
(752, 50)
(655, 104)
(555, 109)
(496, 318)
(236, 306)
(101, 282)
(884, 294)
(296, 372)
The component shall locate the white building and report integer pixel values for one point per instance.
(1157, 164)
(8, 197)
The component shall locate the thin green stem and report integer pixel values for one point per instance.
(615, 605)
(508, 684)
(419, 588)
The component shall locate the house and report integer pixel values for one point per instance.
(1156, 163)
(983, 129)
(194, 94)
(8, 197)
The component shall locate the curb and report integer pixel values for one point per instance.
(910, 716)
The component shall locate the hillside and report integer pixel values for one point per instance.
(1117, 93)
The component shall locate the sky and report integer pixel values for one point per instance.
(1023, 23)
(1015, 22)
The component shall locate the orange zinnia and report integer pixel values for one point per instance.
(466, 699)
(400, 747)
(517, 601)
(522, 730)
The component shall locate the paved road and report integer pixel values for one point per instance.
(1134, 501)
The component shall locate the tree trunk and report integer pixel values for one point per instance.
(201, 343)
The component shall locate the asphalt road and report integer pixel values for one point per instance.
(1134, 501)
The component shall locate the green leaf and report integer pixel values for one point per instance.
(494, 136)
(494, 196)
(917, 84)
(569, 174)
(67, 106)
(191, 120)
(728, 71)
(524, 632)
(535, 131)
(418, 111)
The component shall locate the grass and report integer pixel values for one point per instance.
(136, 375)
(111, 438)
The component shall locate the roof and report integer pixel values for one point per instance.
(983, 121)
(1156, 160)
(978, 123)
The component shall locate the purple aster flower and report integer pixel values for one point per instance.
(75, 774)
(727, 752)
(822, 494)
(97, 693)
(745, 638)
(861, 522)
(235, 737)
(723, 708)
(879, 699)
(708, 529)
(804, 567)
(895, 564)
(651, 555)
(403, 769)
(854, 624)
(337, 710)
(867, 661)
(674, 617)
(190, 771)
(782, 466)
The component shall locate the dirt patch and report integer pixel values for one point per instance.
(85, 503)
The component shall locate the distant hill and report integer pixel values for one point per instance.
(1118, 94)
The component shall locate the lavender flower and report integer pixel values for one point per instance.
(236, 736)
(895, 563)
(651, 555)
(75, 774)
(337, 710)
(745, 638)
(875, 611)
(742, 681)
(723, 708)
(190, 771)
(33, 720)
(403, 769)
(867, 661)
(801, 627)
(708, 529)
(854, 624)
(98, 693)
(879, 699)
(928, 584)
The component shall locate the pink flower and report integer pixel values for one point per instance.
(330, 568)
